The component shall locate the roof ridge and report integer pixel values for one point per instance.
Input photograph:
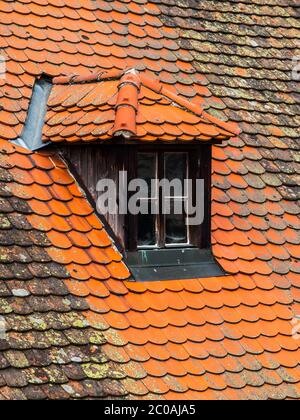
(127, 104)
(153, 84)
(129, 89)
(98, 76)
(158, 87)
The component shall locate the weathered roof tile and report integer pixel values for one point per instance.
(97, 335)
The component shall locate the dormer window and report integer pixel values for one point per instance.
(156, 244)
(104, 123)
(163, 230)
(171, 174)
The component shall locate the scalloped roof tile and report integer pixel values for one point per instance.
(76, 328)
(125, 104)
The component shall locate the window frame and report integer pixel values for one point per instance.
(101, 161)
(199, 166)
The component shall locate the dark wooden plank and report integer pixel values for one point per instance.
(96, 162)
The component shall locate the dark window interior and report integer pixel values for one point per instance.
(166, 230)
(155, 246)
(162, 231)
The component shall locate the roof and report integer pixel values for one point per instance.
(49, 349)
(220, 338)
(126, 104)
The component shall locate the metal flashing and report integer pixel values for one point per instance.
(173, 264)
(31, 137)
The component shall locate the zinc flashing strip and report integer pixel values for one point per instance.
(31, 137)
(173, 264)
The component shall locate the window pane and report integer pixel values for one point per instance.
(176, 229)
(147, 169)
(146, 230)
(175, 166)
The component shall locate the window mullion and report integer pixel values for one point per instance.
(161, 221)
(131, 221)
(206, 165)
(193, 172)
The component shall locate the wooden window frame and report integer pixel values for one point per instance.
(94, 162)
(199, 167)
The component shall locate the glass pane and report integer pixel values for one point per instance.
(176, 229)
(146, 230)
(175, 166)
(147, 169)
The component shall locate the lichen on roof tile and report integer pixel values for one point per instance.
(75, 327)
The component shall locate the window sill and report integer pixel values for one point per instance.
(172, 264)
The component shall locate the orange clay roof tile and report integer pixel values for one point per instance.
(132, 118)
(227, 338)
